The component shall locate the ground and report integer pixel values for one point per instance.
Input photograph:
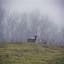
(31, 53)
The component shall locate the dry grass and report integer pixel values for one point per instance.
(31, 53)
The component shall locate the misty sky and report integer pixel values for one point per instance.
(52, 8)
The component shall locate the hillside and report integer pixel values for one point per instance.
(27, 53)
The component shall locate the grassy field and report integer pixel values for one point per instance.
(27, 53)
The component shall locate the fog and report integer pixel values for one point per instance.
(22, 19)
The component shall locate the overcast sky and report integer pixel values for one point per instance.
(52, 8)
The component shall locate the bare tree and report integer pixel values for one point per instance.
(1, 21)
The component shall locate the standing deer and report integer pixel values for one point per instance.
(32, 39)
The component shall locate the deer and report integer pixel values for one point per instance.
(32, 39)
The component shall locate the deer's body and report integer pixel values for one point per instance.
(32, 39)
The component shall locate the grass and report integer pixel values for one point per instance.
(28, 53)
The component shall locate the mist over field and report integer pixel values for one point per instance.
(22, 19)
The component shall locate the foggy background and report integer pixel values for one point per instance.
(22, 19)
